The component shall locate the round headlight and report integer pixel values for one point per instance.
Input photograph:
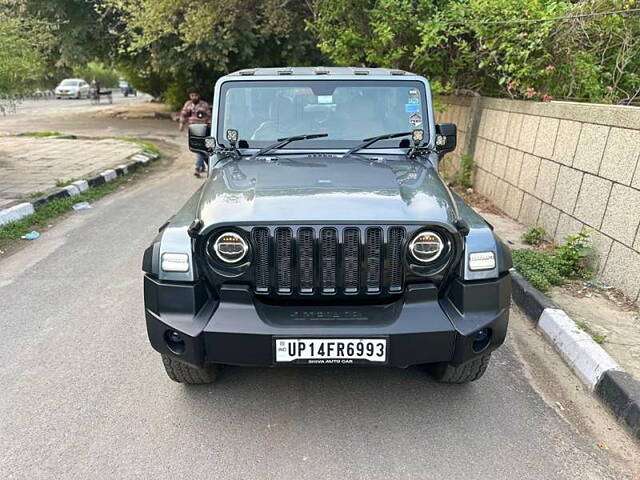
(426, 247)
(230, 247)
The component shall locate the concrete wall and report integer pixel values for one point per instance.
(563, 166)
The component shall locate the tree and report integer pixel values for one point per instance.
(22, 61)
(185, 43)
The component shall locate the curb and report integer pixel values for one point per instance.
(595, 368)
(17, 212)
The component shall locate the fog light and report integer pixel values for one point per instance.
(174, 341)
(482, 261)
(481, 339)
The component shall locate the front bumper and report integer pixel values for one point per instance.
(237, 328)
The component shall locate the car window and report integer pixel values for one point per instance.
(348, 111)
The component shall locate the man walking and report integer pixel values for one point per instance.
(196, 110)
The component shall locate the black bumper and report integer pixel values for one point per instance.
(238, 329)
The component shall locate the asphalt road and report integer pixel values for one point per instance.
(51, 105)
(83, 395)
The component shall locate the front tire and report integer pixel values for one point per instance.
(183, 373)
(467, 372)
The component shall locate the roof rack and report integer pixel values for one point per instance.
(247, 71)
(397, 72)
(285, 71)
(360, 71)
(321, 71)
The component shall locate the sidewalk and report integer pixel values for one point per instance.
(593, 326)
(32, 165)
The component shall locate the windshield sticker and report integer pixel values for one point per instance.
(412, 107)
(415, 119)
(325, 98)
(414, 96)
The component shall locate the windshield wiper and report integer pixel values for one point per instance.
(286, 141)
(369, 141)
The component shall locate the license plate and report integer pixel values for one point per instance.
(331, 350)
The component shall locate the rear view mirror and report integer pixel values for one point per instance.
(446, 137)
(199, 139)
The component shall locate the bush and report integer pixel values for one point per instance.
(464, 178)
(572, 256)
(534, 235)
(176, 95)
(107, 76)
(540, 268)
(545, 270)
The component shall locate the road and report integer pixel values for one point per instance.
(53, 106)
(84, 396)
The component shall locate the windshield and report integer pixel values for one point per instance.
(69, 83)
(348, 111)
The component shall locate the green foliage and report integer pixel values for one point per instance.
(528, 49)
(181, 44)
(38, 134)
(107, 76)
(597, 337)
(540, 268)
(145, 144)
(534, 235)
(464, 178)
(531, 49)
(175, 95)
(572, 256)
(22, 61)
(545, 269)
(12, 231)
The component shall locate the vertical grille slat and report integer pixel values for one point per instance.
(261, 245)
(374, 250)
(328, 251)
(327, 260)
(351, 259)
(396, 237)
(283, 260)
(305, 260)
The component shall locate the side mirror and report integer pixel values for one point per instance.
(446, 137)
(199, 139)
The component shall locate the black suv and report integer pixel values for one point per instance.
(324, 235)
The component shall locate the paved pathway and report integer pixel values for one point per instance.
(30, 164)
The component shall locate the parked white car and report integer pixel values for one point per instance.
(72, 88)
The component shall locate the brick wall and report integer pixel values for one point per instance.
(563, 166)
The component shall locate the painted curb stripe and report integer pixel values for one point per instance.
(584, 356)
(21, 210)
(617, 389)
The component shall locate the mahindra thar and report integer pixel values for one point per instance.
(324, 235)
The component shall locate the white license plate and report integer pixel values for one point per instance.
(331, 350)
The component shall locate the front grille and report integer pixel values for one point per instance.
(317, 260)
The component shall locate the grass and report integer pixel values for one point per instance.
(546, 269)
(534, 235)
(38, 134)
(597, 337)
(147, 145)
(464, 178)
(35, 194)
(542, 269)
(63, 183)
(43, 216)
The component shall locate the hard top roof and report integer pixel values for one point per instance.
(319, 71)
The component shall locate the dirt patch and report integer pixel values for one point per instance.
(149, 110)
(609, 314)
(602, 311)
(572, 401)
(477, 201)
